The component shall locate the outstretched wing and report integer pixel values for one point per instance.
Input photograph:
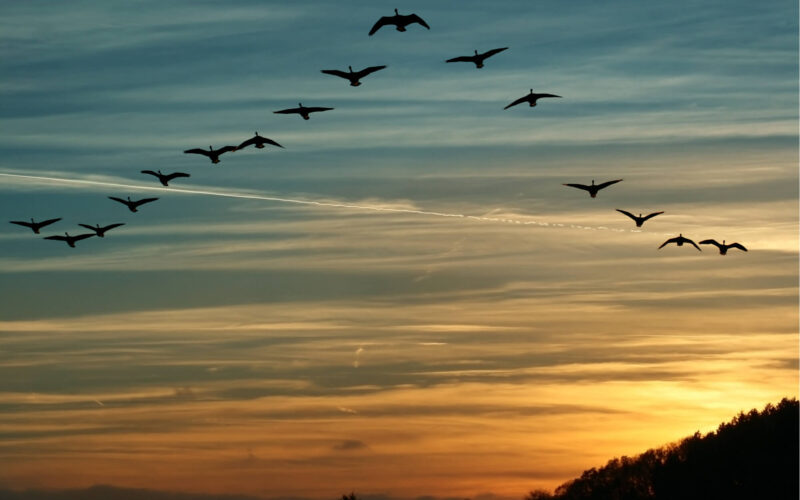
(711, 242)
(110, 226)
(650, 216)
(315, 109)
(518, 101)
(371, 69)
(381, 23)
(413, 18)
(287, 111)
(87, 226)
(48, 222)
(176, 175)
(687, 240)
(22, 223)
(336, 72)
(225, 149)
(579, 186)
(198, 151)
(490, 53)
(608, 183)
(627, 213)
(124, 202)
(671, 240)
(154, 173)
(143, 201)
(737, 245)
(58, 238)
(461, 59)
(81, 237)
(538, 96)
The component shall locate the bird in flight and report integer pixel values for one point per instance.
(353, 76)
(101, 231)
(679, 240)
(258, 141)
(478, 58)
(212, 153)
(33, 225)
(530, 99)
(400, 21)
(132, 205)
(165, 178)
(70, 239)
(301, 110)
(593, 189)
(723, 248)
(639, 220)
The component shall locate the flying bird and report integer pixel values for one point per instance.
(132, 205)
(399, 21)
(530, 99)
(301, 110)
(70, 239)
(639, 220)
(165, 178)
(33, 225)
(593, 189)
(258, 141)
(353, 76)
(211, 153)
(679, 240)
(101, 231)
(478, 58)
(723, 248)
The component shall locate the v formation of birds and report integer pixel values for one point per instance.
(400, 22)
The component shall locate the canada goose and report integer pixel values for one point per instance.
(353, 76)
(530, 99)
(679, 240)
(477, 58)
(101, 231)
(258, 141)
(211, 153)
(165, 178)
(33, 225)
(592, 188)
(398, 20)
(723, 248)
(70, 239)
(301, 110)
(639, 220)
(132, 205)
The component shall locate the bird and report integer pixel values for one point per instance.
(353, 76)
(258, 141)
(132, 205)
(639, 220)
(400, 21)
(530, 99)
(301, 110)
(70, 239)
(593, 189)
(212, 153)
(679, 240)
(165, 178)
(101, 231)
(478, 58)
(723, 248)
(33, 225)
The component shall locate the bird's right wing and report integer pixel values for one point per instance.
(151, 172)
(650, 216)
(87, 226)
(381, 23)
(711, 242)
(145, 200)
(336, 72)
(197, 151)
(738, 245)
(460, 59)
(176, 175)
(490, 53)
(518, 101)
(287, 111)
(21, 223)
(124, 202)
(371, 69)
(608, 183)
(627, 213)
(49, 221)
(416, 19)
(671, 240)
(111, 226)
(579, 186)
(82, 236)
(58, 238)
(315, 109)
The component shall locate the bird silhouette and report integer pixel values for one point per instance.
(477, 58)
(639, 220)
(301, 110)
(165, 178)
(132, 205)
(593, 189)
(101, 231)
(723, 248)
(679, 240)
(70, 239)
(353, 76)
(400, 21)
(33, 225)
(530, 99)
(258, 141)
(212, 153)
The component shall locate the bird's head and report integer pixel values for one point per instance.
(476, 52)
(350, 68)
(592, 182)
(396, 13)
(256, 133)
(300, 104)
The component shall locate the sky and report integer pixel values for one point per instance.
(405, 301)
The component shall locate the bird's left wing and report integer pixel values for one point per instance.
(460, 59)
(608, 183)
(336, 72)
(737, 245)
(416, 19)
(371, 69)
(490, 53)
(650, 216)
(518, 101)
(378, 25)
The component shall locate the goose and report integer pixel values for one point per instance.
(258, 141)
(530, 99)
(165, 178)
(211, 153)
(679, 240)
(723, 248)
(477, 58)
(593, 189)
(70, 239)
(33, 225)
(400, 21)
(301, 110)
(101, 231)
(639, 220)
(353, 76)
(132, 205)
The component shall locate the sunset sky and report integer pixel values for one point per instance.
(405, 301)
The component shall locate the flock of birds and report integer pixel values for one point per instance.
(354, 77)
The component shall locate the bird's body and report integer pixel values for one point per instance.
(353, 76)
(477, 58)
(132, 205)
(212, 153)
(530, 99)
(399, 21)
(101, 231)
(679, 240)
(258, 142)
(592, 188)
(301, 110)
(639, 220)
(165, 178)
(70, 239)
(33, 225)
(723, 248)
